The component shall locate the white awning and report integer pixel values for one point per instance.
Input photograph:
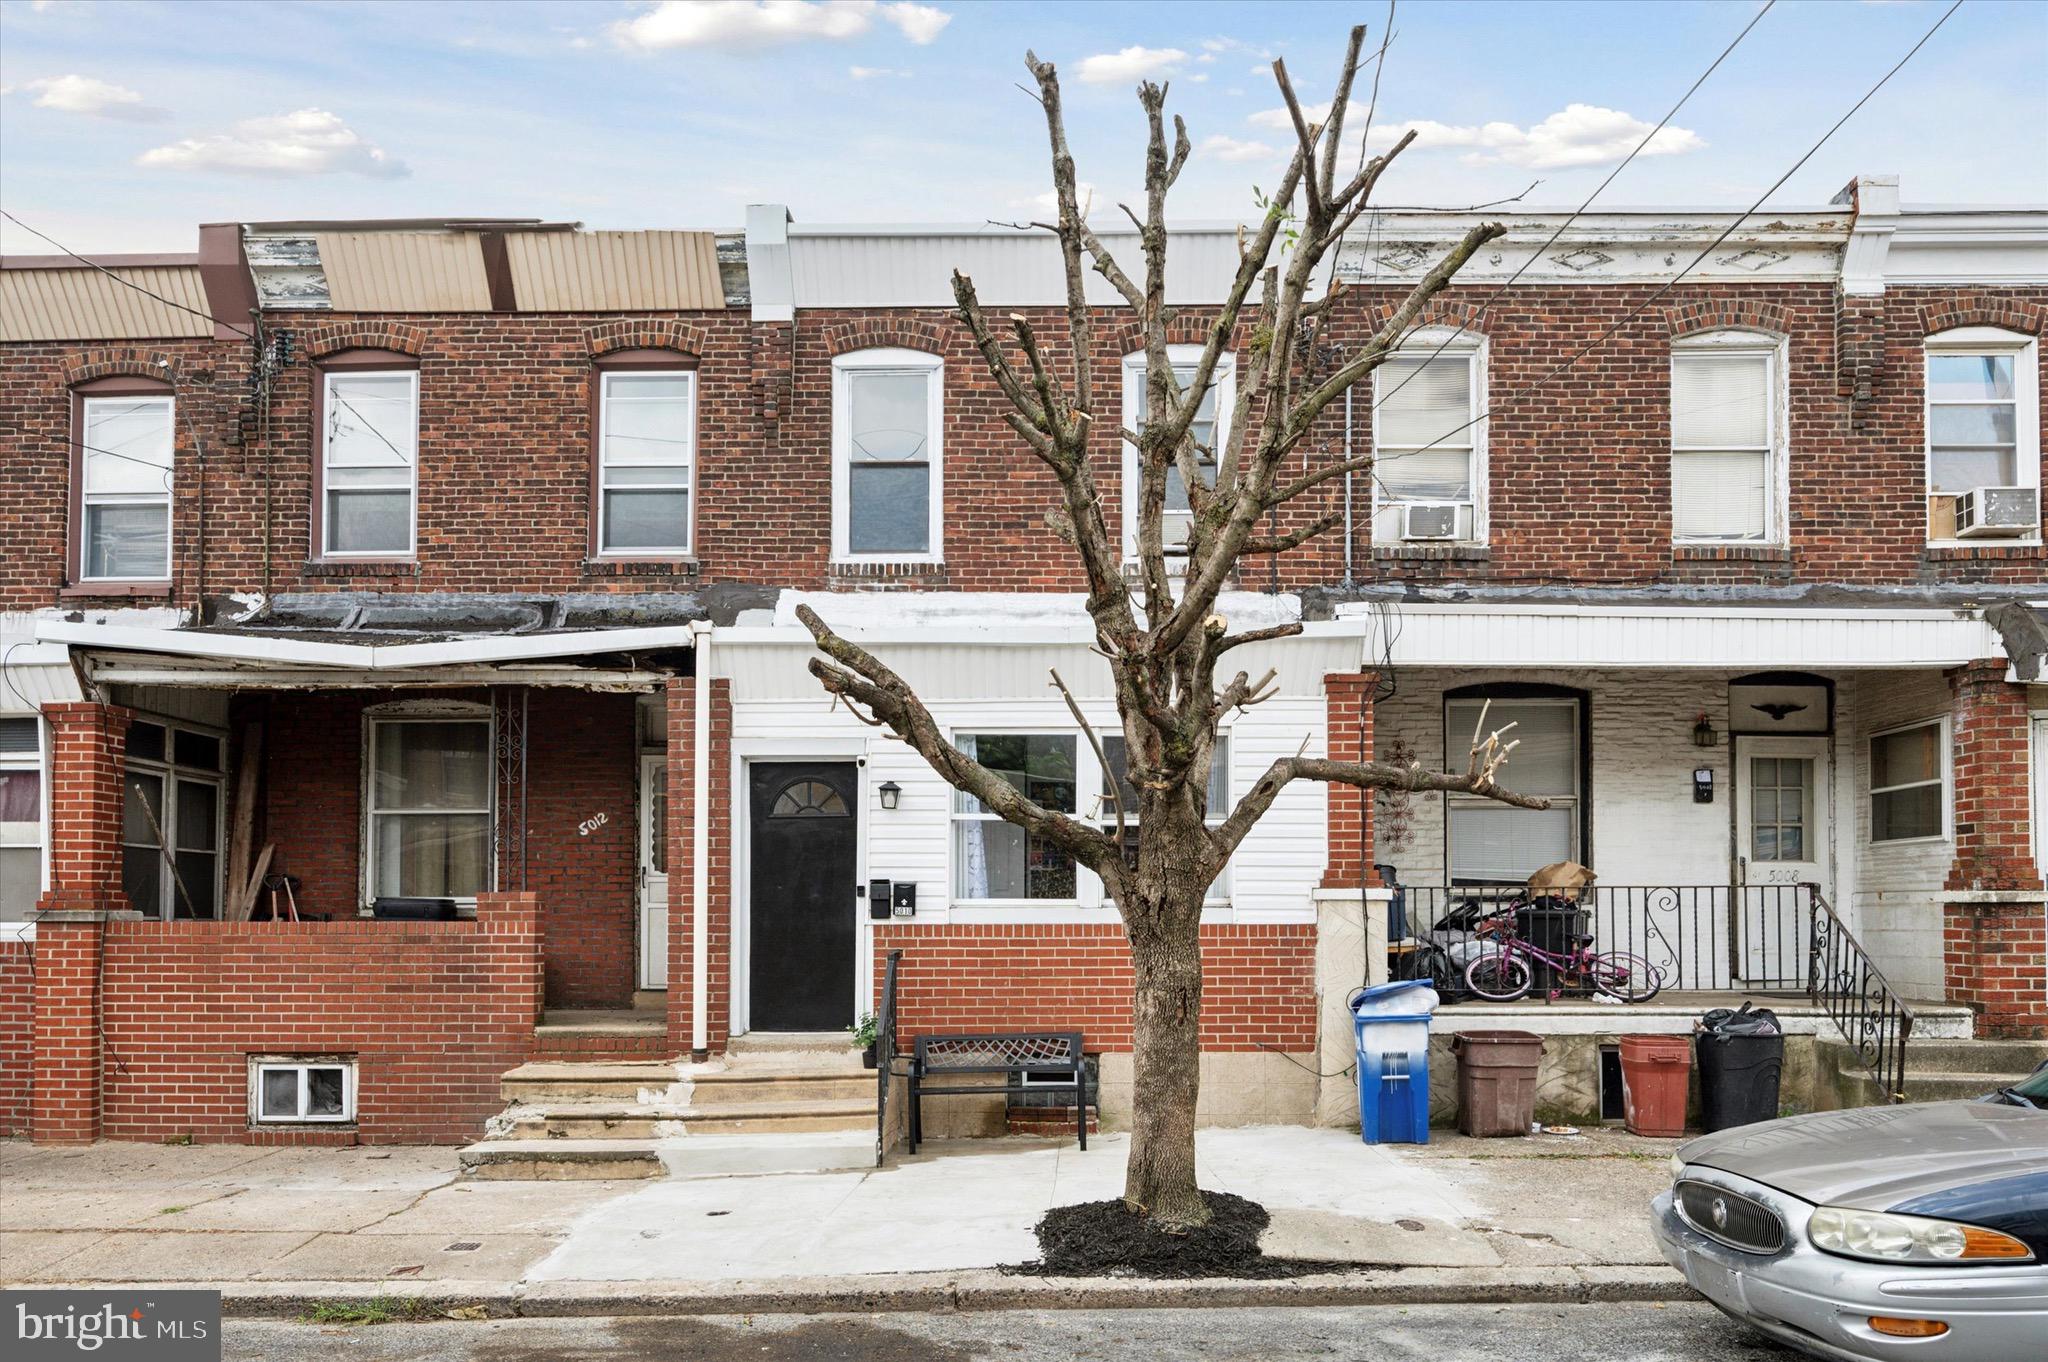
(1484, 634)
(263, 648)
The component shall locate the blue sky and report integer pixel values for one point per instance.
(123, 124)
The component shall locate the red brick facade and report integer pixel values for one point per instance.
(17, 1033)
(1348, 697)
(682, 815)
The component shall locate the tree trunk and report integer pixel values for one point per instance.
(1166, 1033)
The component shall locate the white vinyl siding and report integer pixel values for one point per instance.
(370, 454)
(1428, 442)
(887, 456)
(647, 446)
(125, 496)
(1211, 427)
(1726, 440)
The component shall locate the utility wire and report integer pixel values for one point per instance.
(125, 283)
(1711, 247)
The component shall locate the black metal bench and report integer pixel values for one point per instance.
(1036, 1051)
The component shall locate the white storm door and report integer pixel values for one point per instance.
(654, 871)
(1782, 839)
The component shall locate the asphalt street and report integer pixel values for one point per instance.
(1384, 1333)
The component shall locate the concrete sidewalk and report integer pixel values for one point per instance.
(1538, 1218)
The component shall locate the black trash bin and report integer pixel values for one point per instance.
(1741, 1056)
(1549, 924)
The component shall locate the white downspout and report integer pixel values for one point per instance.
(700, 841)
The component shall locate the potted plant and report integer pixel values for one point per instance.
(864, 1037)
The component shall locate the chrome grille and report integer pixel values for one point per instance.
(1730, 1218)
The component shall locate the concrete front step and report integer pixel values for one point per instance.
(639, 1121)
(752, 1086)
(2015, 1057)
(695, 1156)
(560, 1160)
(1940, 1070)
(634, 1081)
(618, 1080)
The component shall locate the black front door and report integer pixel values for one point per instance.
(803, 914)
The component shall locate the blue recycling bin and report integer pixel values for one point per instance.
(1391, 1022)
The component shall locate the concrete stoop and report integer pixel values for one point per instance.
(1936, 1070)
(772, 1108)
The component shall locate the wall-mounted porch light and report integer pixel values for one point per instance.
(1703, 734)
(890, 792)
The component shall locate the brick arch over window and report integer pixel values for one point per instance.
(1182, 328)
(1726, 314)
(405, 340)
(646, 333)
(1437, 313)
(125, 362)
(2009, 314)
(873, 333)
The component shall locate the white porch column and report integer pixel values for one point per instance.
(700, 841)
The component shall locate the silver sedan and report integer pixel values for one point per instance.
(1891, 1232)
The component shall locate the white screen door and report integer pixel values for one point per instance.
(654, 871)
(1781, 838)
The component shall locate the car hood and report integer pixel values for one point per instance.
(1877, 1157)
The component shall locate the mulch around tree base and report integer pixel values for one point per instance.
(1106, 1239)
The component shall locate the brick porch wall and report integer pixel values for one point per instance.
(1349, 698)
(17, 1033)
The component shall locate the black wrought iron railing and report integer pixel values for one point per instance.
(1872, 1017)
(1705, 938)
(885, 1054)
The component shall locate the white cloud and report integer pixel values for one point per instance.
(305, 142)
(1576, 135)
(1236, 149)
(873, 72)
(740, 25)
(1281, 121)
(1133, 63)
(85, 95)
(1047, 205)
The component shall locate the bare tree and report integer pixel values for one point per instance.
(1161, 634)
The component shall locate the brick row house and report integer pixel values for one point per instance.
(358, 574)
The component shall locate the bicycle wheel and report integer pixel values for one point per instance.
(1498, 977)
(1628, 977)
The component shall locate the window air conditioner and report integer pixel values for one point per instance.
(1997, 512)
(1430, 520)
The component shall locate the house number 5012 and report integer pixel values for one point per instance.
(590, 825)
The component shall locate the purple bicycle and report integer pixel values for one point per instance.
(1503, 971)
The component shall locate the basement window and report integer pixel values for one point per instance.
(296, 1091)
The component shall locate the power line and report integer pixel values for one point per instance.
(1710, 248)
(125, 283)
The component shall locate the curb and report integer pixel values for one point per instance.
(927, 1293)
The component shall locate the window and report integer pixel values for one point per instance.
(430, 786)
(1210, 429)
(1983, 421)
(1493, 843)
(21, 817)
(124, 489)
(171, 819)
(1908, 783)
(1780, 808)
(997, 860)
(369, 462)
(1218, 800)
(302, 1090)
(1726, 439)
(886, 456)
(1429, 457)
(647, 446)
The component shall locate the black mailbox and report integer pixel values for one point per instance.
(878, 898)
(905, 900)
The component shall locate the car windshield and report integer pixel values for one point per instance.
(2034, 1088)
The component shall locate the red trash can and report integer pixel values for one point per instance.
(1654, 1074)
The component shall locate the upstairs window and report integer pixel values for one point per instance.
(1429, 449)
(1210, 428)
(1726, 439)
(647, 451)
(124, 464)
(369, 466)
(1983, 436)
(886, 456)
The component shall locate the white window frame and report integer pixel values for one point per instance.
(260, 1065)
(88, 499)
(688, 459)
(412, 467)
(1777, 474)
(1872, 789)
(2026, 391)
(1218, 893)
(1087, 778)
(34, 835)
(1223, 381)
(419, 712)
(1423, 343)
(1575, 801)
(888, 360)
(175, 775)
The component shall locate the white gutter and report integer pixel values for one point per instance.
(700, 842)
(370, 657)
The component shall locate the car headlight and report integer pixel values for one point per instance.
(1885, 1238)
(1677, 1167)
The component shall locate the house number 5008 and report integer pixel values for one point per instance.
(590, 825)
